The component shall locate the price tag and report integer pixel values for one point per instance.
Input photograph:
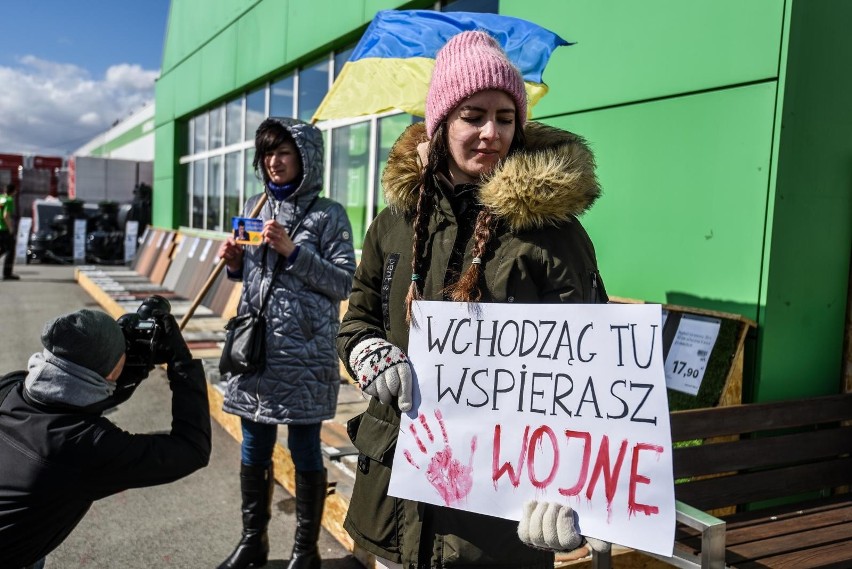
(690, 350)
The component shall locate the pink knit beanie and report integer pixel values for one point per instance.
(471, 62)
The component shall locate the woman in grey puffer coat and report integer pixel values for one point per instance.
(310, 237)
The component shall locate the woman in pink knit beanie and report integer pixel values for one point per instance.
(483, 207)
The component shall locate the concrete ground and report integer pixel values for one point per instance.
(192, 523)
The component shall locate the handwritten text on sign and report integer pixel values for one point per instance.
(562, 403)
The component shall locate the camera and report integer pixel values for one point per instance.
(144, 333)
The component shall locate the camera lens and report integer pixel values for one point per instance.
(151, 304)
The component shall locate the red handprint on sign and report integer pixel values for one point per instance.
(452, 479)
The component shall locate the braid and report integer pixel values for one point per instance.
(466, 289)
(421, 226)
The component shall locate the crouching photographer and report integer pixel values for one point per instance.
(58, 454)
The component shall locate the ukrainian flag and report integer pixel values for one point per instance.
(391, 66)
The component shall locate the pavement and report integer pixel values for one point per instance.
(193, 523)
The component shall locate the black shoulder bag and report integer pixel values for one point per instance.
(245, 337)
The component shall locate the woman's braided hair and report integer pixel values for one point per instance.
(467, 287)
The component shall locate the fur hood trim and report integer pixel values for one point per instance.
(549, 182)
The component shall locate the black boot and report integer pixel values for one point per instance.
(256, 483)
(310, 502)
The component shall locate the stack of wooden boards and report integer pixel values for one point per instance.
(175, 265)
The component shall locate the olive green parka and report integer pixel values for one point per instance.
(539, 253)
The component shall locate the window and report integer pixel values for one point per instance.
(199, 134)
(255, 112)
(234, 122)
(214, 194)
(251, 184)
(281, 97)
(349, 174)
(340, 58)
(389, 129)
(233, 173)
(216, 127)
(313, 85)
(199, 183)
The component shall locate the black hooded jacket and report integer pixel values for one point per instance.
(55, 462)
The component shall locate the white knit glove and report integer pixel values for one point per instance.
(550, 526)
(382, 370)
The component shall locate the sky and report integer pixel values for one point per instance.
(69, 69)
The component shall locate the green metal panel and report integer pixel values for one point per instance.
(167, 201)
(258, 51)
(187, 81)
(373, 6)
(306, 32)
(218, 65)
(807, 268)
(192, 23)
(684, 196)
(632, 51)
(164, 97)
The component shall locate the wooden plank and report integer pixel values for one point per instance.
(179, 256)
(835, 555)
(190, 263)
(721, 421)
(757, 526)
(716, 458)
(164, 259)
(141, 251)
(150, 253)
(710, 493)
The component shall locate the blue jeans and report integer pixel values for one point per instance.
(302, 440)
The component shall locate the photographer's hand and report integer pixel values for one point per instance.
(130, 378)
(173, 345)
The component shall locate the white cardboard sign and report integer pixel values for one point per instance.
(562, 403)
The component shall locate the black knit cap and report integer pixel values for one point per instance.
(89, 338)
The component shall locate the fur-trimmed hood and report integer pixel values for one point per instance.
(548, 182)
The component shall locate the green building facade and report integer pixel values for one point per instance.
(722, 131)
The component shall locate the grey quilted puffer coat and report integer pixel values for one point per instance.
(301, 378)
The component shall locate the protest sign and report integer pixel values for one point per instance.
(561, 403)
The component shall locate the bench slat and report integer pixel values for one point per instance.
(739, 419)
(819, 518)
(722, 491)
(792, 542)
(835, 555)
(718, 457)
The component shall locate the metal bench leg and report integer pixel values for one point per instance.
(602, 560)
(713, 547)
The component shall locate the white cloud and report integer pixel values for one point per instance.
(52, 108)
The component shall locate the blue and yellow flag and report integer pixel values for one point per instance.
(391, 66)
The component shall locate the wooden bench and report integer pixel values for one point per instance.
(792, 454)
